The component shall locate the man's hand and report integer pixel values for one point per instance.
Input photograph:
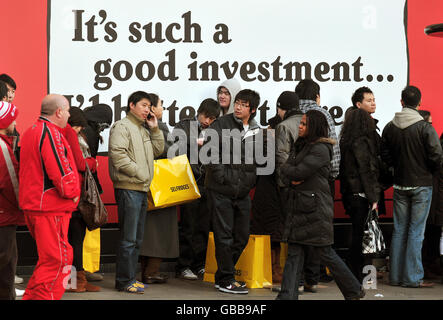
(374, 206)
(152, 122)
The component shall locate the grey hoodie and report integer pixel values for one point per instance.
(233, 87)
(406, 118)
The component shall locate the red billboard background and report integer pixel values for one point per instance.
(25, 58)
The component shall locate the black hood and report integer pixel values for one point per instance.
(99, 113)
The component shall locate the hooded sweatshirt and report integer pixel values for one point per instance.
(411, 146)
(233, 86)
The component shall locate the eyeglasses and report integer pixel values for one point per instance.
(242, 104)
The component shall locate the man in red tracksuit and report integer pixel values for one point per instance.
(49, 191)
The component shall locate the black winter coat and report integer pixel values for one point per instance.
(234, 180)
(413, 150)
(359, 169)
(310, 208)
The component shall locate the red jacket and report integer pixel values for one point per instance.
(72, 138)
(9, 211)
(49, 180)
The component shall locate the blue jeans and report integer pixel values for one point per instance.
(411, 209)
(132, 207)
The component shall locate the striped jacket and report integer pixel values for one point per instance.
(48, 176)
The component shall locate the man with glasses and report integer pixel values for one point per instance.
(230, 176)
(225, 92)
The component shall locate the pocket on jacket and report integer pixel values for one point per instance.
(306, 202)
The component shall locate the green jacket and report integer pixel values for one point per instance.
(132, 149)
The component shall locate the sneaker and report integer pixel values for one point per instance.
(19, 293)
(233, 287)
(18, 280)
(201, 273)
(241, 284)
(134, 288)
(187, 274)
(310, 288)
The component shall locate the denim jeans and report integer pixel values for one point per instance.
(346, 281)
(132, 207)
(411, 209)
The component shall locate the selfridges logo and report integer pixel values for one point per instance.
(228, 147)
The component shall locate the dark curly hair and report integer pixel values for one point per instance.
(358, 123)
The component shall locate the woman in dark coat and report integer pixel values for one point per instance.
(359, 178)
(160, 240)
(309, 211)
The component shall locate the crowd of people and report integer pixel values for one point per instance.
(43, 169)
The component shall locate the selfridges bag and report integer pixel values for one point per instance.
(173, 183)
(91, 205)
(373, 241)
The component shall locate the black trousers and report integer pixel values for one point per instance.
(230, 221)
(193, 230)
(311, 270)
(349, 286)
(8, 262)
(357, 207)
(76, 236)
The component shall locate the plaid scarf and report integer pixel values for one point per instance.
(305, 106)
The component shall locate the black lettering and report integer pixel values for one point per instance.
(158, 33)
(78, 33)
(221, 36)
(110, 30)
(357, 65)
(189, 26)
(264, 72)
(117, 70)
(336, 67)
(169, 33)
(246, 69)
(187, 112)
(205, 71)
(150, 72)
(136, 35)
(297, 67)
(170, 64)
(172, 109)
(321, 69)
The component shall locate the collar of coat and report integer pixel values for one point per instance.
(135, 119)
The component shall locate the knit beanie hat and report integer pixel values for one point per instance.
(288, 100)
(77, 117)
(8, 113)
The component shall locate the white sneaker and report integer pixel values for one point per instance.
(18, 280)
(187, 274)
(19, 293)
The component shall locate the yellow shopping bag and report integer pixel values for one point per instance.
(91, 250)
(173, 183)
(253, 267)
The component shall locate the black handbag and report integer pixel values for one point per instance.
(91, 206)
(373, 241)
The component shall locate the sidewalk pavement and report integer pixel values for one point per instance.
(178, 289)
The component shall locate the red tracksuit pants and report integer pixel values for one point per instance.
(53, 269)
